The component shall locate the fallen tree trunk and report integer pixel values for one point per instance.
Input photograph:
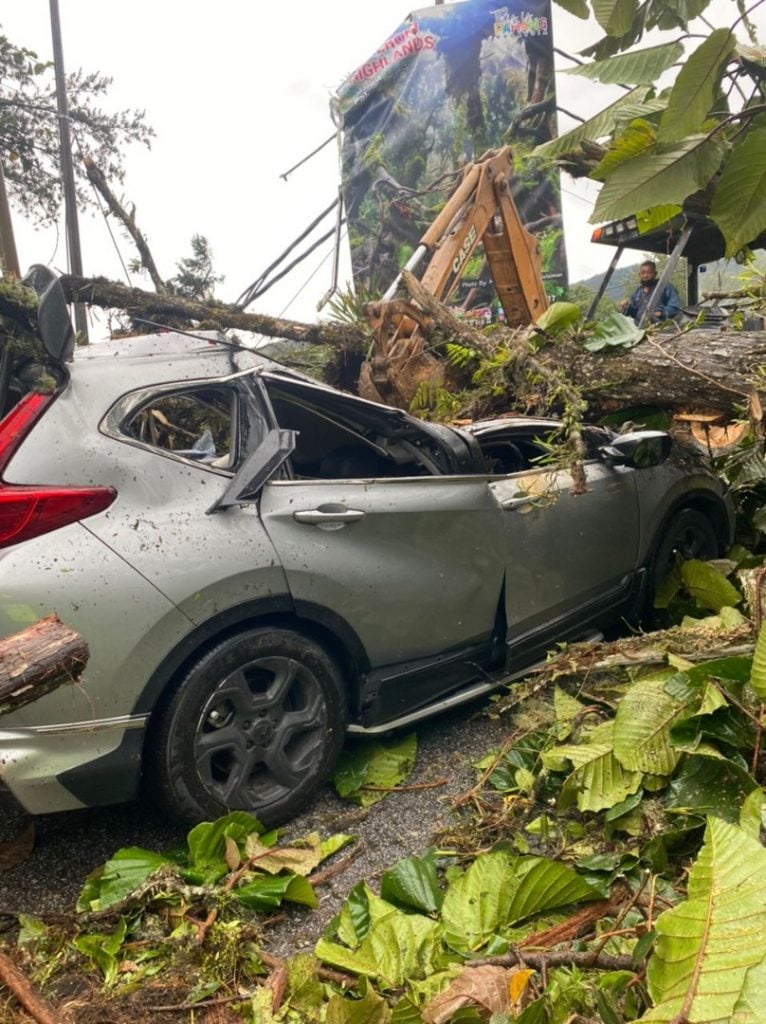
(160, 307)
(37, 661)
(712, 369)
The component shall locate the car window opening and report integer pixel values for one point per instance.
(328, 450)
(198, 425)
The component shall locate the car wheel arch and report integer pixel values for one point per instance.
(318, 624)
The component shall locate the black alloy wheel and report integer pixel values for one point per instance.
(256, 724)
(688, 534)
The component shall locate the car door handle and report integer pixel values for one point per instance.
(324, 516)
(519, 501)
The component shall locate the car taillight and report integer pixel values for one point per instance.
(28, 510)
(18, 423)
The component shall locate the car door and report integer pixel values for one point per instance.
(566, 552)
(413, 565)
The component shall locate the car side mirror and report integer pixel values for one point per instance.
(640, 449)
(55, 327)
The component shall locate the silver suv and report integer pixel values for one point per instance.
(261, 563)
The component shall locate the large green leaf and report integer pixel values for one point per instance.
(381, 766)
(599, 779)
(370, 1009)
(639, 136)
(266, 892)
(642, 725)
(665, 175)
(707, 945)
(498, 891)
(207, 844)
(758, 671)
(412, 883)
(359, 913)
(708, 586)
(614, 16)
(739, 201)
(750, 1007)
(398, 948)
(707, 784)
(692, 95)
(614, 331)
(594, 128)
(559, 316)
(641, 67)
(119, 877)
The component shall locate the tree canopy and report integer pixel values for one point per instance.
(696, 144)
(29, 138)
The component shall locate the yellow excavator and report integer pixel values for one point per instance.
(479, 210)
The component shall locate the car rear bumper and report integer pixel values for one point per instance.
(63, 768)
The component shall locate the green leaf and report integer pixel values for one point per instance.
(749, 1008)
(614, 16)
(599, 779)
(497, 891)
(640, 67)
(739, 201)
(266, 892)
(412, 883)
(751, 813)
(707, 945)
(709, 587)
(709, 785)
(334, 843)
(642, 725)
(579, 8)
(103, 949)
(362, 909)
(665, 175)
(758, 671)
(118, 878)
(382, 765)
(370, 1009)
(615, 331)
(595, 127)
(635, 139)
(207, 842)
(567, 711)
(559, 316)
(397, 949)
(656, 216)
(692, 95)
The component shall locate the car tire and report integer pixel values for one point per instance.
(256, 724)
(688, 533)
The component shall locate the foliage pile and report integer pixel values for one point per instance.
(607, 865)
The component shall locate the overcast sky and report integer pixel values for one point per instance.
(238, 92)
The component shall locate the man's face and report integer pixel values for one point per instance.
(646, 274)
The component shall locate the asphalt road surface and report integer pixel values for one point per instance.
(70, 845)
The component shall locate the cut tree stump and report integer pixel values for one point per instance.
(37, 661)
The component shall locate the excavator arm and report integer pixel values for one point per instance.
(481, 209)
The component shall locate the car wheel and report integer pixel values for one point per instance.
(256, 724)
(688, 534)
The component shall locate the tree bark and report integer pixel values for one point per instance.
(111, 295)
(699, 368)
(37, 661)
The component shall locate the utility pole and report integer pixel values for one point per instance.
(7, 241)
(67, 170)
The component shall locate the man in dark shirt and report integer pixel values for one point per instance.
(669, 306)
